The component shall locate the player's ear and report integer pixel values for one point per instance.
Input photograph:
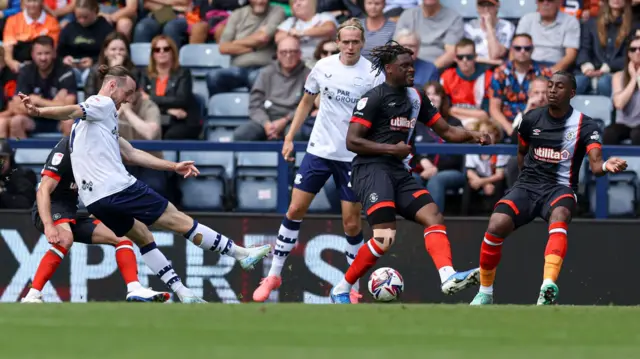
(573, 93)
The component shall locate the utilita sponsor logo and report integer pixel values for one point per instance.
(402, 122)
(550, 155)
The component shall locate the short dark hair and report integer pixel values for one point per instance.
(522, 34)
(568, 75)
(120, 72)
(43, 40)
(466, 42)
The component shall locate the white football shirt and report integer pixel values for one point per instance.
(340, 88)
(95, 151)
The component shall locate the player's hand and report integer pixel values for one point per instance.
(615, 165)
(401, 150)
(187, 169)
(32, 110)
(287, 150)
(483, 138)
(51, 232)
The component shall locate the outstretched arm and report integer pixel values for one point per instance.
(599, 167)
(140, 158)
(59, 113)
(459, 134)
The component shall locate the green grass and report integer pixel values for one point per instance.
(282, 331)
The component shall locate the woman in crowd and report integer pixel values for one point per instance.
(171, 88)
(115, 51)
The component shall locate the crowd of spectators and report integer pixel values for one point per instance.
(481, 72)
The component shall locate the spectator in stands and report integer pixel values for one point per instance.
(22, 28)
(378, 29)
(275, 95)
(115, 51)
(48, 83)
(80, 41)
(439, 172)
(555, 35)
(212, 17)
(17, 184)
(581, 9)
(626, 99)
(62, 10)
(8, 85)
(467, 84)
(485, 173)
(326, 47)
(248, 38)
(425, 71)
(508, 91)
(171, 88)
(440, 29)
(121, 14)
(491, 35)
(165, 17)
(307, 25)
(140, 120)
(7, 9)
(603, 47)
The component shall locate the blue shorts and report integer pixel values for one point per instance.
(315, 171)
(119, 210)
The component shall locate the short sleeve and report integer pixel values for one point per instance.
(365, 111)
(572, 34)
(57, 163)
(502, 161)
(326, 17)
(24, 84)
(590, 133)
(470, 161)
(229, 32)
(275, 18)
(311, 85)
(428, 113)
(495, 88)
(96, 108)
(287, 24)
(524, 130)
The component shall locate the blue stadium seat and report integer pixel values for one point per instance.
(140, 53)
(230, 104)
(466, 8)
(31, 158)
(256, 181)
(200, 88)
(623, 194)
(220, 134)
(200, 58)
(596, 107)
(515, 9)
(209, 190)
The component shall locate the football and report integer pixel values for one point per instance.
(386, 284)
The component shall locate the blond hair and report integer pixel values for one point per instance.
(352, 23)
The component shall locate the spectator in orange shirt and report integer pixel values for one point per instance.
(22, 28)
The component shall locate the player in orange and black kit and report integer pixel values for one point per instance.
(380, 134)
(55, 214)
(553, 142)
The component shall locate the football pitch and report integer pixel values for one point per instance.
(282, 331)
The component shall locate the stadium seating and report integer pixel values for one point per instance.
(33, 159)
(256, 182)
(209, 191)
(200, 58)
(140, 53)
(466, 8)
(228, 110)
(596, 107)
(623, 192)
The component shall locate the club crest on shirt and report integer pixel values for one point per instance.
(570, 136)
(362, 103)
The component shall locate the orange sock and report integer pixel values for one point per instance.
(490, 255)
(126, 260)
(438, 246)
(48, 265)
(556, 250)
(366, 258)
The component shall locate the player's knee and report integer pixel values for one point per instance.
(429, 215)
(560, 214)
(385, 238)
(351, 224)
(500, 225)
(66, 243)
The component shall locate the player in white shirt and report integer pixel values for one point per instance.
(124, 204)
(340, 80)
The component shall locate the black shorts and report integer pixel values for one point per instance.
(524, 202)
(385, 189)
(82, 226)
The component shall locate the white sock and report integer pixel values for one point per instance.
(547, 281)
(287, 238)
(133, 286)
(34, 293)
(445, 273)
(160, 265)
(486, 290)
(351, 250)
(208, 239)
(342, 287)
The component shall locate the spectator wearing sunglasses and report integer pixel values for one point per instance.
(425, 71)
(378, 29)
(555, 35)
(508, 93)
(603, 47)
(467, 84)
(491, 35)
(626, 100)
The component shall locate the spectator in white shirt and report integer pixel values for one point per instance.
(491, 35)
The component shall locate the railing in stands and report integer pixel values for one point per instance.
(602, 183)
